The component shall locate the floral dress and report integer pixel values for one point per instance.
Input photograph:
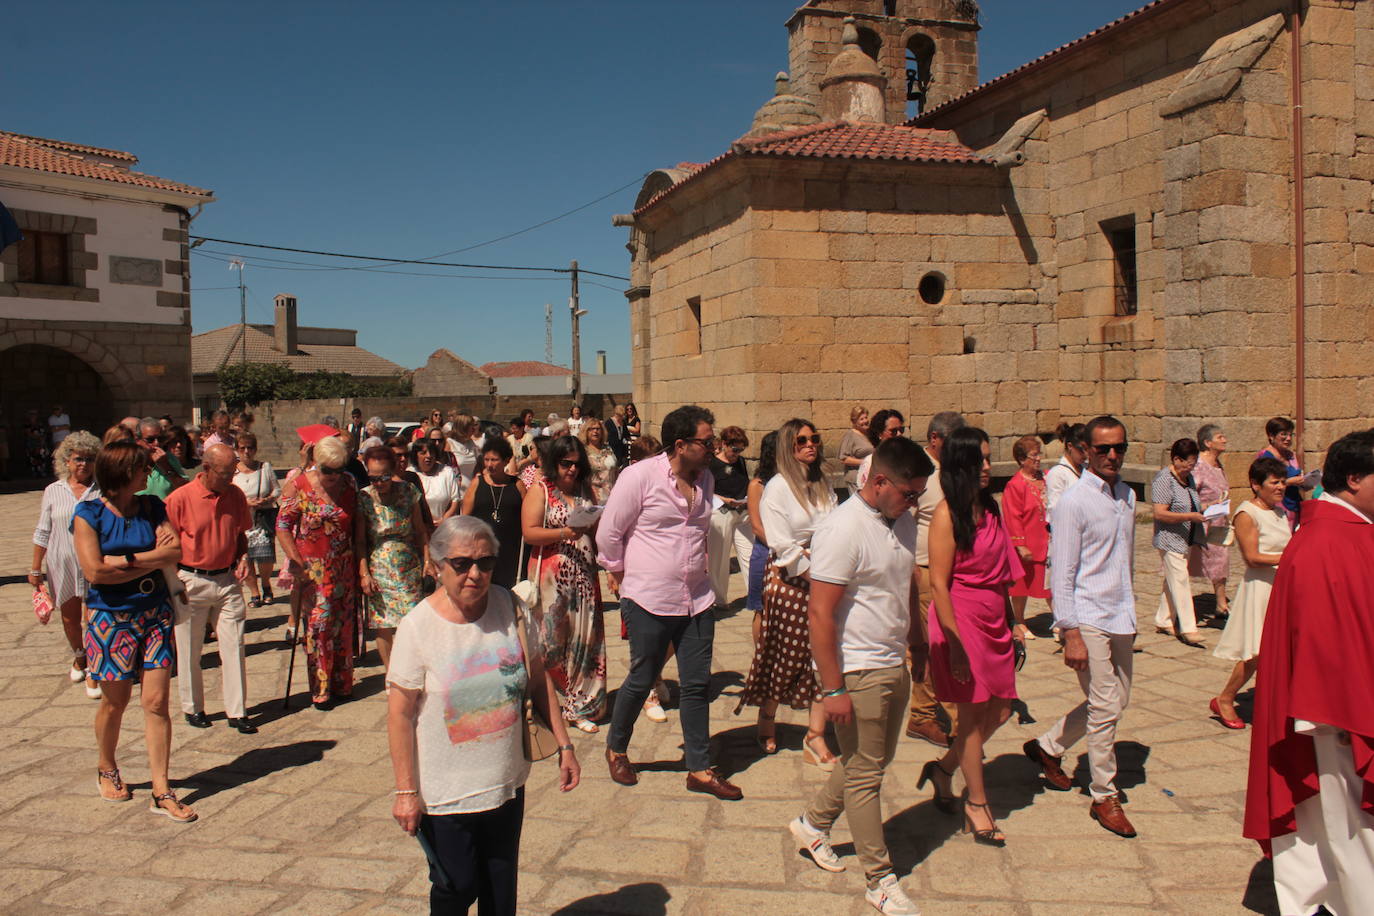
(567, 623)
(328, 583)
(392, 558)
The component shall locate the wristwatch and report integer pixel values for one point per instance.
(129, 558)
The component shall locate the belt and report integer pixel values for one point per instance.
(203, 572)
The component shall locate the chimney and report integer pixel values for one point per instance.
(284, 333)
(600, 362)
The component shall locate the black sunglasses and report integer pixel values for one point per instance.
(461, 565)
(1105, 447)
(567, 464)
(809, 440)
(378, 478)
(330, 472)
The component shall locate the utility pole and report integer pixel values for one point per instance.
(548, 332)
(576, 339)
(236, 263)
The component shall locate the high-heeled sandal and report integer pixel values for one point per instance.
(113, 777)
(767, 740)
(825, 762)
(943, 803)
(990, 837)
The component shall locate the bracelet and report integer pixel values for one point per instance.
(837, 692)
(407, 792)
(35, 572)
(565, 747)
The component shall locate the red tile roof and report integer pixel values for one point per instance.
(41, 155)
(76, 147)
(522, 368)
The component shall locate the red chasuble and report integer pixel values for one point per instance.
(1316, 663)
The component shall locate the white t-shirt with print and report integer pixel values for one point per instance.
(468, 736)
(854, 546)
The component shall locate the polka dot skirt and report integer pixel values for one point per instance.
(782, 665)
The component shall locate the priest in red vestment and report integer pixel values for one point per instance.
(1310, 797)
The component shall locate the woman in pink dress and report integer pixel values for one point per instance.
(1023, 510)
(972, 659)
(1212, 560)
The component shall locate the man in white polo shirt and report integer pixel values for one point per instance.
(863, 584)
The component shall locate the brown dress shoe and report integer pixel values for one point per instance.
(716, 785)
(1055, 777)
(1109, 814)
(927, 730)
(622, 771)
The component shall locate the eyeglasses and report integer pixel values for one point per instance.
(910, 495)
(567, 464)
(82, 459)
(378, 478)
(461, 565)
(809, 440)
(1106, 447)
(734, 448)
(896, 430)
(330, 472)
(708, 443)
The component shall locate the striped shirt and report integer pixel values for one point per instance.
(1092, 556)
(1166, 491)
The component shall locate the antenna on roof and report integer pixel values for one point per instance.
(548, 332)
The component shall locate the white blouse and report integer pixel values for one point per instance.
(442, 489)
(790, 525)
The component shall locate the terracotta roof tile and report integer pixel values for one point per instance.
(213, 349)
(42, 156)
(522, 368)
(76, 147)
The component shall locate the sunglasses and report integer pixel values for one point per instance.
(1107, 447)
(708, 443)
(461, 565)
(910, 495)
(378, 478)
(896, 430)
(330, 472)
(567, 465)
(809, 440)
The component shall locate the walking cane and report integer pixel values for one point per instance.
(291, 666)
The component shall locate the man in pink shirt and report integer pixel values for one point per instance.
(652, 543)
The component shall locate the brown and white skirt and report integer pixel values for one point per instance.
(782, 670)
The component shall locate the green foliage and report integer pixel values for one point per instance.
(241, 384)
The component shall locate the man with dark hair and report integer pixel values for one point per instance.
(1092, 561)
(166, 473)
(1311, 780)
(652, 544)
(863, 584)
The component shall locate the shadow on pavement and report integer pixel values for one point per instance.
(247, 767)
(1130, 766)
(645, 899)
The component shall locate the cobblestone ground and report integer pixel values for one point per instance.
(296, 819)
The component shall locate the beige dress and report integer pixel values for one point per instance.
(1241, 640)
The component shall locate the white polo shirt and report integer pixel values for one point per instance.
(872, 558)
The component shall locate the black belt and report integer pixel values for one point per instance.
(204, 572)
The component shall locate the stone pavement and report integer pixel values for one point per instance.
(296, 819)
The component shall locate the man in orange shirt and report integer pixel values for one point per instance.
(212, 518)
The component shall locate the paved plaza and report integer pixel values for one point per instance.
(296, 819)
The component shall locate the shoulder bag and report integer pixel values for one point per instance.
(537, 737)
(527, 589)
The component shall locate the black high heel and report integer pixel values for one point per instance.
(943, 803)
(989, 837)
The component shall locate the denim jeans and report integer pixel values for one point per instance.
(650, 637)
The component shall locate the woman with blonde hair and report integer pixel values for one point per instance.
(600, 456)
(794, 503)
(855, 447)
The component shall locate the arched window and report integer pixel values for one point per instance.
(870, 43)
(920, 56)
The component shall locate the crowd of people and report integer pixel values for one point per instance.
(896, 604)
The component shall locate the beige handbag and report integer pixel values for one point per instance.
(527, 589)
(537, 738)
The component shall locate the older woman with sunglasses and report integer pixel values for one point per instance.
(567, 620)
(730, 518)
(394, 535)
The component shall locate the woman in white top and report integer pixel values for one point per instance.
(576, 421)
(443, 494)
(258, 482)
(465, 448)
(455, 722)
(1262, 531)
(1069, 468)
(793, 504)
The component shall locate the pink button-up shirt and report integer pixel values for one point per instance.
(648, 533)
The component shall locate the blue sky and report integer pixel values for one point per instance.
(406, 130)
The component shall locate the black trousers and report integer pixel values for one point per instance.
(474, 858)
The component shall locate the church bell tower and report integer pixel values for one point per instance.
(927, 50)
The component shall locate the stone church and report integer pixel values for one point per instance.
(1168, 219)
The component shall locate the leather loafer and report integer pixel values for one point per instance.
(622, 771)
(1109, 814)
(243, 726)
(1055, 777)
(197, 720)
(716, 785)
(927, 730)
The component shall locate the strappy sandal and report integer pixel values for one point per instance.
(990, 837)
(767, 740)
(113, 777)
(155, 807)
(826, 761)
(943, 802)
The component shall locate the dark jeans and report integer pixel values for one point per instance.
(650, 637)
(474, 858)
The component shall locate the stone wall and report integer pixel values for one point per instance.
(448, 375)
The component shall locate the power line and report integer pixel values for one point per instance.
(256, 261)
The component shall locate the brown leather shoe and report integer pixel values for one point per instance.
(1109, 814)
(1055, 777)
(927, 730)
(622, 771)
(717, 785)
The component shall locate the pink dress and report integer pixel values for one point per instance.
(1023, 510)
(979, 595)
(1211, 561)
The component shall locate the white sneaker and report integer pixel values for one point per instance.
(654, 709)
(888, 897)
(76, 675)
(816, 842)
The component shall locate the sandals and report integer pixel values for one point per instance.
(113, 776)
(990, 837)
(1024, 632)
(824, 761)
(943, 803)
(767, 740)
(155, 807)
(586, 725)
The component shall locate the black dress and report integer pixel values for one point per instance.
(499, 506)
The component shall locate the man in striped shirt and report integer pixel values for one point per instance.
(1091, 562)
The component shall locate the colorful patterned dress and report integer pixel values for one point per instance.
(328, 583)
(567, 624)
(393, 559)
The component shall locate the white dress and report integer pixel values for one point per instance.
(1241, 640)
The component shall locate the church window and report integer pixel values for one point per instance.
(1120, 235)
(694, 325)
(920, 58)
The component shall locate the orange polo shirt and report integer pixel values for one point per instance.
(208, 523)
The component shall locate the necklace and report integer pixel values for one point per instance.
(496, 493)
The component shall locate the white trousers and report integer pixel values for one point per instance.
(1107, 687)
(1329, 860)
(217, 599)
(1176, 600)
(728, 529)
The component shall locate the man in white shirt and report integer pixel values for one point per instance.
(59, 425)
(1092, 561)
(862, 587)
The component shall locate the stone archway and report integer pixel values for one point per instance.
(38, 377)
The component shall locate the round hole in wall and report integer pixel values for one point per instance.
(932, 288)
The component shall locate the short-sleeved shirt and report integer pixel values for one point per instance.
(873, 558)
(732, 480)
(60, 425)
(1166, 491)
(159, 484)
(472, 677)
(119, 536)
(209, 523)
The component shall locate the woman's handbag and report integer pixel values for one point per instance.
(42, 604)
(527, 589)
(537, 737)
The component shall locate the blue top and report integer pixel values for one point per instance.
(119, 536)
